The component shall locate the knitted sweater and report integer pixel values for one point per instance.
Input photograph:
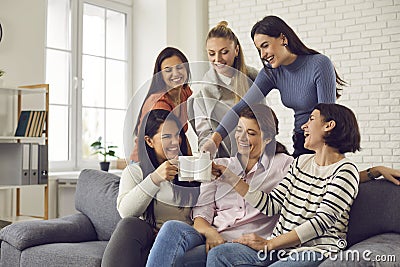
(136, 192)
(309, 80)
(313, 200)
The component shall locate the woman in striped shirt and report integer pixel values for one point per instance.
(313, 200)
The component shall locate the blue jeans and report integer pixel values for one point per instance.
(196, 257)
(172, 242)
(234, 254)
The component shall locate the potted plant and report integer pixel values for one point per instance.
(98, 148)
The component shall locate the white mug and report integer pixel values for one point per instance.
(195, 168)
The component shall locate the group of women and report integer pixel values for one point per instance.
(255, 175)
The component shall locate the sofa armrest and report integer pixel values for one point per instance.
(72, 228)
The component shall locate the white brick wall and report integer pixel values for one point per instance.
(361, 37)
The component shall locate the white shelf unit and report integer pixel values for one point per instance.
(23, 217)
(19, 93)
(22, 139)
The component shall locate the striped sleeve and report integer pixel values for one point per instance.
(269, 204)
(340, 194)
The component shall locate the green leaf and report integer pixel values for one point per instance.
(96, 144)
(104, 151)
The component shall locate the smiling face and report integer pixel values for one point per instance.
(166, 141)
(314, 131)
(272, 50)
(173, 72)
(249, 138)
(221, 53)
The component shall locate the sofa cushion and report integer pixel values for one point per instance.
(64, 254)
(374, 211)
(96, 197)
(381, 250)
(72, 228)
(10, 256)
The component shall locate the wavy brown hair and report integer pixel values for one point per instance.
(274, 26)
(152, 122)
(268, 123)
(157, 82)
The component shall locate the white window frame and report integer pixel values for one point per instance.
(76, 162)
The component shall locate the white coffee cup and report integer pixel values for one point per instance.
(203, 168)
(186, 168)
(195, 168)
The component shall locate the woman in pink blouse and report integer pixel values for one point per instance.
(221, 214)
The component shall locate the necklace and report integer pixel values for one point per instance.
(175, 97)
(176, 101)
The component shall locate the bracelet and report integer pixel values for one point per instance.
(370, 175)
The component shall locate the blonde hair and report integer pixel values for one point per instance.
(240, 81)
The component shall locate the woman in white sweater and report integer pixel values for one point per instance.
(149, 192)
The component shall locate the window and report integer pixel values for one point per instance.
(88, 69)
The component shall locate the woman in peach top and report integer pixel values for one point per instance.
(169, 89)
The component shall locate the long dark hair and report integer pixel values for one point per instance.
(148, 158)
(157, 83)
(274, 26)
(268, 123)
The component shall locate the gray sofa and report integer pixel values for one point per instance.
(80, 239)
(75, 240)
(373, 236)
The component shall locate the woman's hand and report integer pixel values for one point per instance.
(165, 172)
(225, 174)
(388, 173)
(211, 145)
(213, 239)
(255, 242)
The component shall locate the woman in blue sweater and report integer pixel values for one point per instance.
(303, 76)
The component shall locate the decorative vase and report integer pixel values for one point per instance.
(104, 166)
